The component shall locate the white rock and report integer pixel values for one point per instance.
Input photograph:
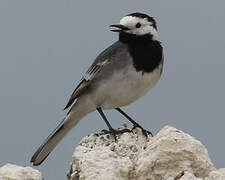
(103, 158)
(187, 176)
(171, 154)
(217, 175)
(14, 172)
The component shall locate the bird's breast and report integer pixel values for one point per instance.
(147, 80)
(125, 87)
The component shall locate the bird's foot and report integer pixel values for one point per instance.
(144, 131)
(115, 132)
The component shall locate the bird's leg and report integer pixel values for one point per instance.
(135, 124)
(111, 130)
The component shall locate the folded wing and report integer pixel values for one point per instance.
(88, 76)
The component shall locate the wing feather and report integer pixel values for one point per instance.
(88, 76)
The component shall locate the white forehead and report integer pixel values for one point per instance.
(130, 21)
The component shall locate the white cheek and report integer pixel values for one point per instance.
(153, 32)
(145, 30)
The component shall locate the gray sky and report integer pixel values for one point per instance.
(47, 45)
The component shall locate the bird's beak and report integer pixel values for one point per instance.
(120, 28)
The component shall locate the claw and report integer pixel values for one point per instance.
(144, 131)
(115, 132)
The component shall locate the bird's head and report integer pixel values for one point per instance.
(138, 24)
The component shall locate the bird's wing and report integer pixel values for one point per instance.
(106, 57)
(88, 76)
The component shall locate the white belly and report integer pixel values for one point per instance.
(125, 87)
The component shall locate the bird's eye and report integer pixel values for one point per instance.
(138, 25)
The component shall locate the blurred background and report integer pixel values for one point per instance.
(47, 45)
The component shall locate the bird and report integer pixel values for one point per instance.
(120, 75)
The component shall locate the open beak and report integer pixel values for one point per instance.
(120, 28)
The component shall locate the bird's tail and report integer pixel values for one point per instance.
(74, 116)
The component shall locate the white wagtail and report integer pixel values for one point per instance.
(120, 75)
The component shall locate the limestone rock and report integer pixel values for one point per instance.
(217, 175)
(170, 155)
(14, 172)
(171, 152)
